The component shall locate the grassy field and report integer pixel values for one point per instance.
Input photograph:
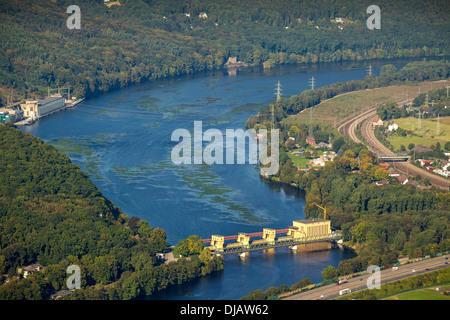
(430, 129)
(298, 161)
(336, 109)
(398, 141)
(421, 294)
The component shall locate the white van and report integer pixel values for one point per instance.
(345, 291)
(394, 268)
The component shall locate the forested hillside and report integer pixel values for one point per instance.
(142, 39)
(52, 214)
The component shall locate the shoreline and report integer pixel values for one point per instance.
(225, 68)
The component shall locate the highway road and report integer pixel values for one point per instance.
(358, 283)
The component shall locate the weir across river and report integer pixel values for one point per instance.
(302, 232)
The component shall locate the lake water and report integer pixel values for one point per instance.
(123, 141)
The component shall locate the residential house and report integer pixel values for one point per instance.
(323, 145)
(60, 294)
(28, 270)
(377, 122)
(232, 60)
(393, 173)
(382, 182)
(392, 127)
(441, 172)
(318, 162)
(311, 141)
(413, 183)
(444, 169)
(329, 155)
(426, 163)
(403, 179)
(384, 165)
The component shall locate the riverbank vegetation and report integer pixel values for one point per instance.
(53, 215)
(140, 40)
(378, 222)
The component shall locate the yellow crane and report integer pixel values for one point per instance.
(324, 210)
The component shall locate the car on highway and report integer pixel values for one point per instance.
(345, 291)
(341, 282)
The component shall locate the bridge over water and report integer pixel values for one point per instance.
(302, 232)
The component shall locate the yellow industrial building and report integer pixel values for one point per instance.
(307, 229)
(310, 228)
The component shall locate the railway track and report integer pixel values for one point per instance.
(366, 119)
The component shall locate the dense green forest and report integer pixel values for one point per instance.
(149, 39)
(52, 214)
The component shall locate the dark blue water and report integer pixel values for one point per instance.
(123, 141)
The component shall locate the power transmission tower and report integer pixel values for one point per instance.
(10, 99)
(369, 70)
(272, 109)
(312, 83)
(418, 122)
(278, 91)
(421, 124)
(438, 128)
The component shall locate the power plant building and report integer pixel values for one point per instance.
(309, 228)
(40, 108)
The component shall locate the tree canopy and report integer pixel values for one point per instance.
(52, 214)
